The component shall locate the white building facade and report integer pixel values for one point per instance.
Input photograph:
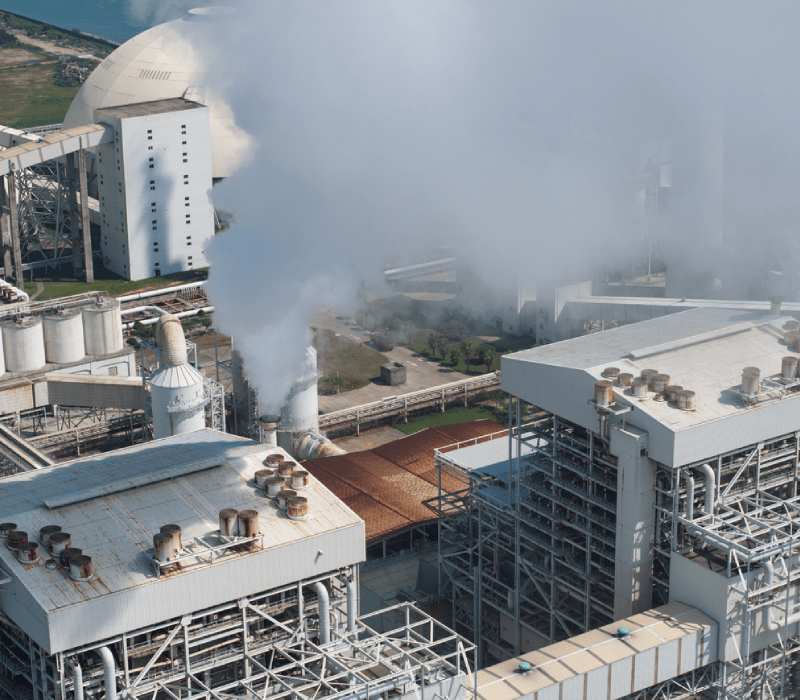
(153, 187)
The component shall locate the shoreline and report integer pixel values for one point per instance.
(77, 34)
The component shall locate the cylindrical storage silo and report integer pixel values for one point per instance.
(625, 379)
(63, 337)
(301, 410)
(23, 342)
(227, 522)
(602, 392)
(102, 327)
(789, 367)
(639, 387)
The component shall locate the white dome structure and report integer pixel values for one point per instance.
(174, 59)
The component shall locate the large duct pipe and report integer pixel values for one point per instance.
(324, 613)
(151, 321)
(77, 681)
(311, 445)
(171, 340)
(689, 495)
(352, 605)
(711, 480)
(109, 672)
(157, 292)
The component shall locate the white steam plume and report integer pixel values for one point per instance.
(497, 128)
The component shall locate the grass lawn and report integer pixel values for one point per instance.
(452, 416)
(56, 286)
(29, 97)
(344, 364)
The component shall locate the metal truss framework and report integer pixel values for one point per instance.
(533, 563)
(252, 648)
(754, 519)
(242, 398)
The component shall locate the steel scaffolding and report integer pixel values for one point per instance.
(253, 648)
(538, 568)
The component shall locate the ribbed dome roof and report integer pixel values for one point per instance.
(174, 59)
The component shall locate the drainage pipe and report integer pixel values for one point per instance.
(689, 495)
(77, 681)
(352, 605)
(109, 672)
(324, 614)
(711, 479)
(158, 292)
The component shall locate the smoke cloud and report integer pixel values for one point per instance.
(508, 131)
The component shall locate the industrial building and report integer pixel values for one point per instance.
(164, 570)
(664, 471)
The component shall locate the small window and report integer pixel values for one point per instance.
(155, 221)
(152, 204)
(155, 228)
(155, 250)
(151, 165)
(155, 244)
(158, 272)
(186, 204)
(149, 138)
(188, 215)
(153, 182)
(151, 160)
(183, 126)
(183, 143)
(186, 154)
(190, 257)
(152, 211)
(152, 188)
(183, 132)
(185, 160)
(149, 131)
(112, 371)
(149, 148)
(188, 238)
(156, 264)
(188, 221)
(189, 243)
(186, 199)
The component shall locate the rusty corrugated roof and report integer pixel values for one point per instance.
(386, 486)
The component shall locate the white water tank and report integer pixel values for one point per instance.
(301, 410)
(63, 336)
(23, 341)
(176, 388)
(102, 327)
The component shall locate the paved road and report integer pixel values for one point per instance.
(421, 373)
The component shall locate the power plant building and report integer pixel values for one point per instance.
(153, 183)
(663, 469)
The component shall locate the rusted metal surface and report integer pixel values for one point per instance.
(261, 476)
(283, 497)
(297, 508)
(67, 554)
(15, 539)
(300, 480)
(28, 552)
(80, 568)
(286, 468)
(274, 484)
(93, 390)
(174, 531)
(227, 522)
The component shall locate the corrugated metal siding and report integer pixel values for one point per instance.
(100, 392)
(16, 396)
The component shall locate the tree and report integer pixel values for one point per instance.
(455, 356)
(433, 342)
(467, 349)
(488, 357)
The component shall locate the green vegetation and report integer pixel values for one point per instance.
(31, 98)
(470, 356)
(56, 285)
(451, 416)
(345, 365)
(7, 39)
(41, 30)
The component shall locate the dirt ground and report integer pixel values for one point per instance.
(18, 57)
(48, 46)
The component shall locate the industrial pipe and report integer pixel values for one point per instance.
(710, 477)
(310, 445)
(377, 690)
(324, 613)
(158, 292)
(77, 681)
(689, 495)
(769, 578)
(352, 605)
(151, 321)
(109, 672)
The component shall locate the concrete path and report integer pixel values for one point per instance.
(39, 290)
(421, 373)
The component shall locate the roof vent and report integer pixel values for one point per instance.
(28, 552)
(227, 522)
(274, 486)
(639, 388)
(15, 539)
(46, 532)
(686, 400)
(648, 374)
(163, 547)
(789, 367)
(751, 380)
(602, 392)
(792, 325)
(611, 372)
(283, 497)
(59, 541)
(6, 529)
(174, 531)
(248, 526)
(285, 469)
(624, 379)
(300, 480)
(68, 553)
(671, 392)
(261, 476)
(660, 383)
(272, 461)
(297, 508)
(80, 568)
(793, 339)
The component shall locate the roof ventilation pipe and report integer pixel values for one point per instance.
(324, 612)
(770, 624)
(77, 681)
(689, 495)
(352, 604)
(109, 672)
(710, 478)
